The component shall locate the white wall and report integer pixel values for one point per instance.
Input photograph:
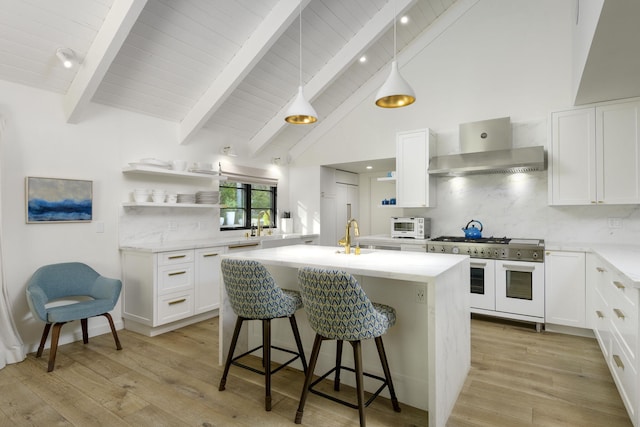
(38, 142)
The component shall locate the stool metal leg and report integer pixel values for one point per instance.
(296, 335)
(336, 378)
(232, 348)
(315, 351)
(357, 357)
(266, 352)
(387, 373)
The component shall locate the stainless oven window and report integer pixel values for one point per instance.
(403, 226)
(519, 284)
(477, 280)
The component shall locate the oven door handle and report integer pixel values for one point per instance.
(478, 264)
(523, 268)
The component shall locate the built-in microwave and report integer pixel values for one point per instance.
(411, 227)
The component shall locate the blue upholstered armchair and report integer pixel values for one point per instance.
(98, 296)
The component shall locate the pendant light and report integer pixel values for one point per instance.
(301, 112)
(395, 92)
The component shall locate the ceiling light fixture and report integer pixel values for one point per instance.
(301, 112)
(66, 56)
(395, 92)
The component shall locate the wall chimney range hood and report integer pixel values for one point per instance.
(486, 148)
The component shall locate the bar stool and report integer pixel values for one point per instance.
(338, 309)
(254, 295)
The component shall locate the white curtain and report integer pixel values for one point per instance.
(11, 346)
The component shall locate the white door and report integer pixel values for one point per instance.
(520, 288)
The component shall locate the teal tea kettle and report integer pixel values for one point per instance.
(471, 232)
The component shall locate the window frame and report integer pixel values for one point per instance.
(247, 189)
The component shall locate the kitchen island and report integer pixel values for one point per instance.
(428, 349)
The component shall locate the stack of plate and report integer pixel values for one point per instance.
(207, 197)
(186, 198)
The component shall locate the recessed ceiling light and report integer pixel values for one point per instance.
(363, 58)
(404, 19)
(369, 167)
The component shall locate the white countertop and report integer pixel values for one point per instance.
(413, 266)
(625, 258)
(207, 243)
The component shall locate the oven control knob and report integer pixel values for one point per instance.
(518, 254)
(481, 251)
(468, 251)
(455, 250)
(442, 249)
(432, 248)
(535, 254)
(475, 251)
(496, 253)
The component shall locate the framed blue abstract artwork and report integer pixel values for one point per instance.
(58, 200)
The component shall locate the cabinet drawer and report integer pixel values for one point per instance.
(601, 323)
(174, 278)
(175, 257)
(625, 376)
(624, 317)
(174, 307)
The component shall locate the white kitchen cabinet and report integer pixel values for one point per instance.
(339, 191)
(565, 288)
(207, 279)
(414, 187)
(613, 315)
(595, 155)
(167, 290)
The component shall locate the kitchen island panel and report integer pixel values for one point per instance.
(428, 347)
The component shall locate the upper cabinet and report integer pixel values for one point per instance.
(414, 188)
(595, 155)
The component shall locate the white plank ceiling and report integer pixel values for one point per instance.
(228, 66)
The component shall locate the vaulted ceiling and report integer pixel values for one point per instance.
(231, 67)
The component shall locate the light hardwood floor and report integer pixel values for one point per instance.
(518, 378)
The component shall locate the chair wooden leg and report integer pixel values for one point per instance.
(315, 351)
(54, 345)
(43, 340)
(232, 348)
(113, 330)
(266, 356)
(85, 332)
(357, 357)
(296, 335)
(336, 378)
(387, 373)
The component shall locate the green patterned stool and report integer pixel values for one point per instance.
(254, 295)
(338, 309)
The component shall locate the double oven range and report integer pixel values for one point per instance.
(507, 275)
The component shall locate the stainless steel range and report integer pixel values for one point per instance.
(507, 275)
(490, 247)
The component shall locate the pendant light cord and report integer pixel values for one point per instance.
(300, 47)
(395, 43)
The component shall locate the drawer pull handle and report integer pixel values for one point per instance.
(599, 314)
(600, 270)
(177, 256)
(209, 255)
(178, 301)
(618, 285)
(307, 242)
(243, 246)
(177, 273)
(618, 313)
(618, 361)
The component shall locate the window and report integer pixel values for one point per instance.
(246, 204)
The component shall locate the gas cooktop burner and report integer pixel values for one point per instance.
(457, 239)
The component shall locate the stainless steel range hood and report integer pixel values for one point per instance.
(486, 148)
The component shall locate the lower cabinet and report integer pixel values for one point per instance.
(167, 290)
(565, 288)
(613, 316)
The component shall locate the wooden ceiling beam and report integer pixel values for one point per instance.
(251, 52)
(114, 31)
